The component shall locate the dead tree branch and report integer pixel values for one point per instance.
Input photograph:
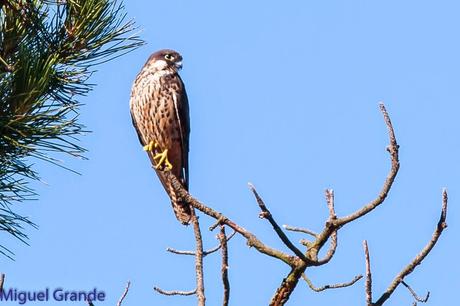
(205, 253)
(419, 258)
(336, 223)
(333, 286)
(299, 260)
(414, 294)
(198, 260)
(252, 240)
(125, 293)
(300, 230)
(223, 243)
(266, 214)
(199, 254)
(368, 275)
(174, 292)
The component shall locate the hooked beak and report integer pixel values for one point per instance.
(178, 65)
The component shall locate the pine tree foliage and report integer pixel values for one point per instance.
(48, 51)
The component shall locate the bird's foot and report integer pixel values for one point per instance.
(151, 146)
(161, 159)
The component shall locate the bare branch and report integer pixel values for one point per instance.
(368, 275)
(252, 240)
(301, 261)
(198, 260)
(174, 292)
(393, 149)
(216, 248)
(223, 243)
(329, 193)
(205, 253)
(266, 214)
(335, 223)
(330, 252)
(414, 294)
(419, 258)
(199, 291)
(125, 293)
(180, 252)
(217, 223)
(288, 285)
(330, 203)
(333, 286)
(300, 230)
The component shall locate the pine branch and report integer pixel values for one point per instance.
(48, 51)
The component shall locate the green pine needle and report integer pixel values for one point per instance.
(48, 50)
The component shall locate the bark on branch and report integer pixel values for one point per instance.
(299, 260)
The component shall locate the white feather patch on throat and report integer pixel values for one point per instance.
(160, 64)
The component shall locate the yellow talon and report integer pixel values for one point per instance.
(163, 156)
(150, 146)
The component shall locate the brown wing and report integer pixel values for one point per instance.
(138, 132)
(184, 119)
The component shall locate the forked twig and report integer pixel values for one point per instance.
(419, 258)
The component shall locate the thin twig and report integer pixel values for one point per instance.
(217, 223)
(300, 230)
(414, 294)
(266, 214)
(181, 252)
(333, 286)
(330, 252)
(419, 258)
(223, 242)
(125, 293)
(330, 203)
(329, 193)
(174, 292)
(368, 275)
(205, 253)
(198, 260)
(393, 149)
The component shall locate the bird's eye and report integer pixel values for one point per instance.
(168, 57)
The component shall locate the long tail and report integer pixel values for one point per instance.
(181, 209)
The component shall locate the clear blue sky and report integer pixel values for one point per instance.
(284, 95)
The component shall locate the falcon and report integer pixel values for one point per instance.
(160, 115)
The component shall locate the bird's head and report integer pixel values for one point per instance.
(165, 60)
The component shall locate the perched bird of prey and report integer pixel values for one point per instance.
(160, 114)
